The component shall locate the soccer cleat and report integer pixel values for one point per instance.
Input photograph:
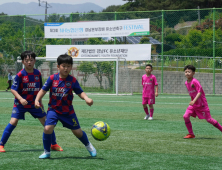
(91, 149)
(146, 117)
(189, 136)
(56, 147)
(2, 148)
(45, 155)
(150, 118)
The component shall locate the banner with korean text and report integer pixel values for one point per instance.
(130, 52)
(89, 29)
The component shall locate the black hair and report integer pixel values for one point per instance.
(26, 54)
(190, 67)
(149, 66)
(64, 58)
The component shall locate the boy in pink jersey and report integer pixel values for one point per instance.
(198, 105)
(150, 90)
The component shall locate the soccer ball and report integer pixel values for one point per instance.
(100, 131)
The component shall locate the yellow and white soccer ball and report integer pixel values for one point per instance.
(100, 131)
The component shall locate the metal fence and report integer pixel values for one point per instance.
(178, 37)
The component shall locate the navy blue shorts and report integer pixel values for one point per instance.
(19, 112)
(68, 121)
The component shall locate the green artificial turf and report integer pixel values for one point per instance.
(134, 143)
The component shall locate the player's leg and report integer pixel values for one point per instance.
(7, 132)
(188, 124)
(54, 145)
(214, 123)
(81, 135)
(145, 108)
(71, 122)
(17, 113)
(47, 135)
(50, 123)
(151, 102)
(151, 111)
(41, 115)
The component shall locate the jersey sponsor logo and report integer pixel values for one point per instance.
(59, 90)
(31, 85)
(147, 83)
(192, 91)
(36, 78)
(30, 89)
(59, 94)
(25, 79)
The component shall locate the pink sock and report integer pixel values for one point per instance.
(151, 112)
(189, 127)
(146, 110)
(214, 123)
(218, 126)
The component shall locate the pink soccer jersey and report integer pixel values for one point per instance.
(148, 84)
(193, 88)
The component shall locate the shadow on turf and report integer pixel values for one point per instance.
(73, 157)
(156, 119)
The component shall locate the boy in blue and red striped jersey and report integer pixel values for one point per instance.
(61, 87)
(26, 85)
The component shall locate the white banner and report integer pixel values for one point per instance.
(87, 29)
(132, 52)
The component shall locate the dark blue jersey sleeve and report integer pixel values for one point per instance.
(40, 76)
(76, 87)
(48, 83)
(16, 83)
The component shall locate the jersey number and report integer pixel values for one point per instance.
(74, 121)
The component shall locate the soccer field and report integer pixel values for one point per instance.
(134, 143)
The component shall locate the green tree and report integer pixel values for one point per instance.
(104, 68)
(172, 38)
(86, 68)
(108, 68)
(145, 40)
(5, 63)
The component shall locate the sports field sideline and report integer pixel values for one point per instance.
(134, 143)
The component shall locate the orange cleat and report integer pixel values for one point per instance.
(189, 136)
(2, 148)
(56, 147)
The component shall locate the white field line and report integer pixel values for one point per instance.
(157, 103)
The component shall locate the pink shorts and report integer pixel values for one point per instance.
(148, 101)
(201, 113)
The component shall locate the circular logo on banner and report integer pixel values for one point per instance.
(73, 52)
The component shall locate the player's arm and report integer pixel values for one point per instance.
(17, 96)
(156, 86)
(195, 99)
(39, 97)
(156, 90)
(86, 98)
